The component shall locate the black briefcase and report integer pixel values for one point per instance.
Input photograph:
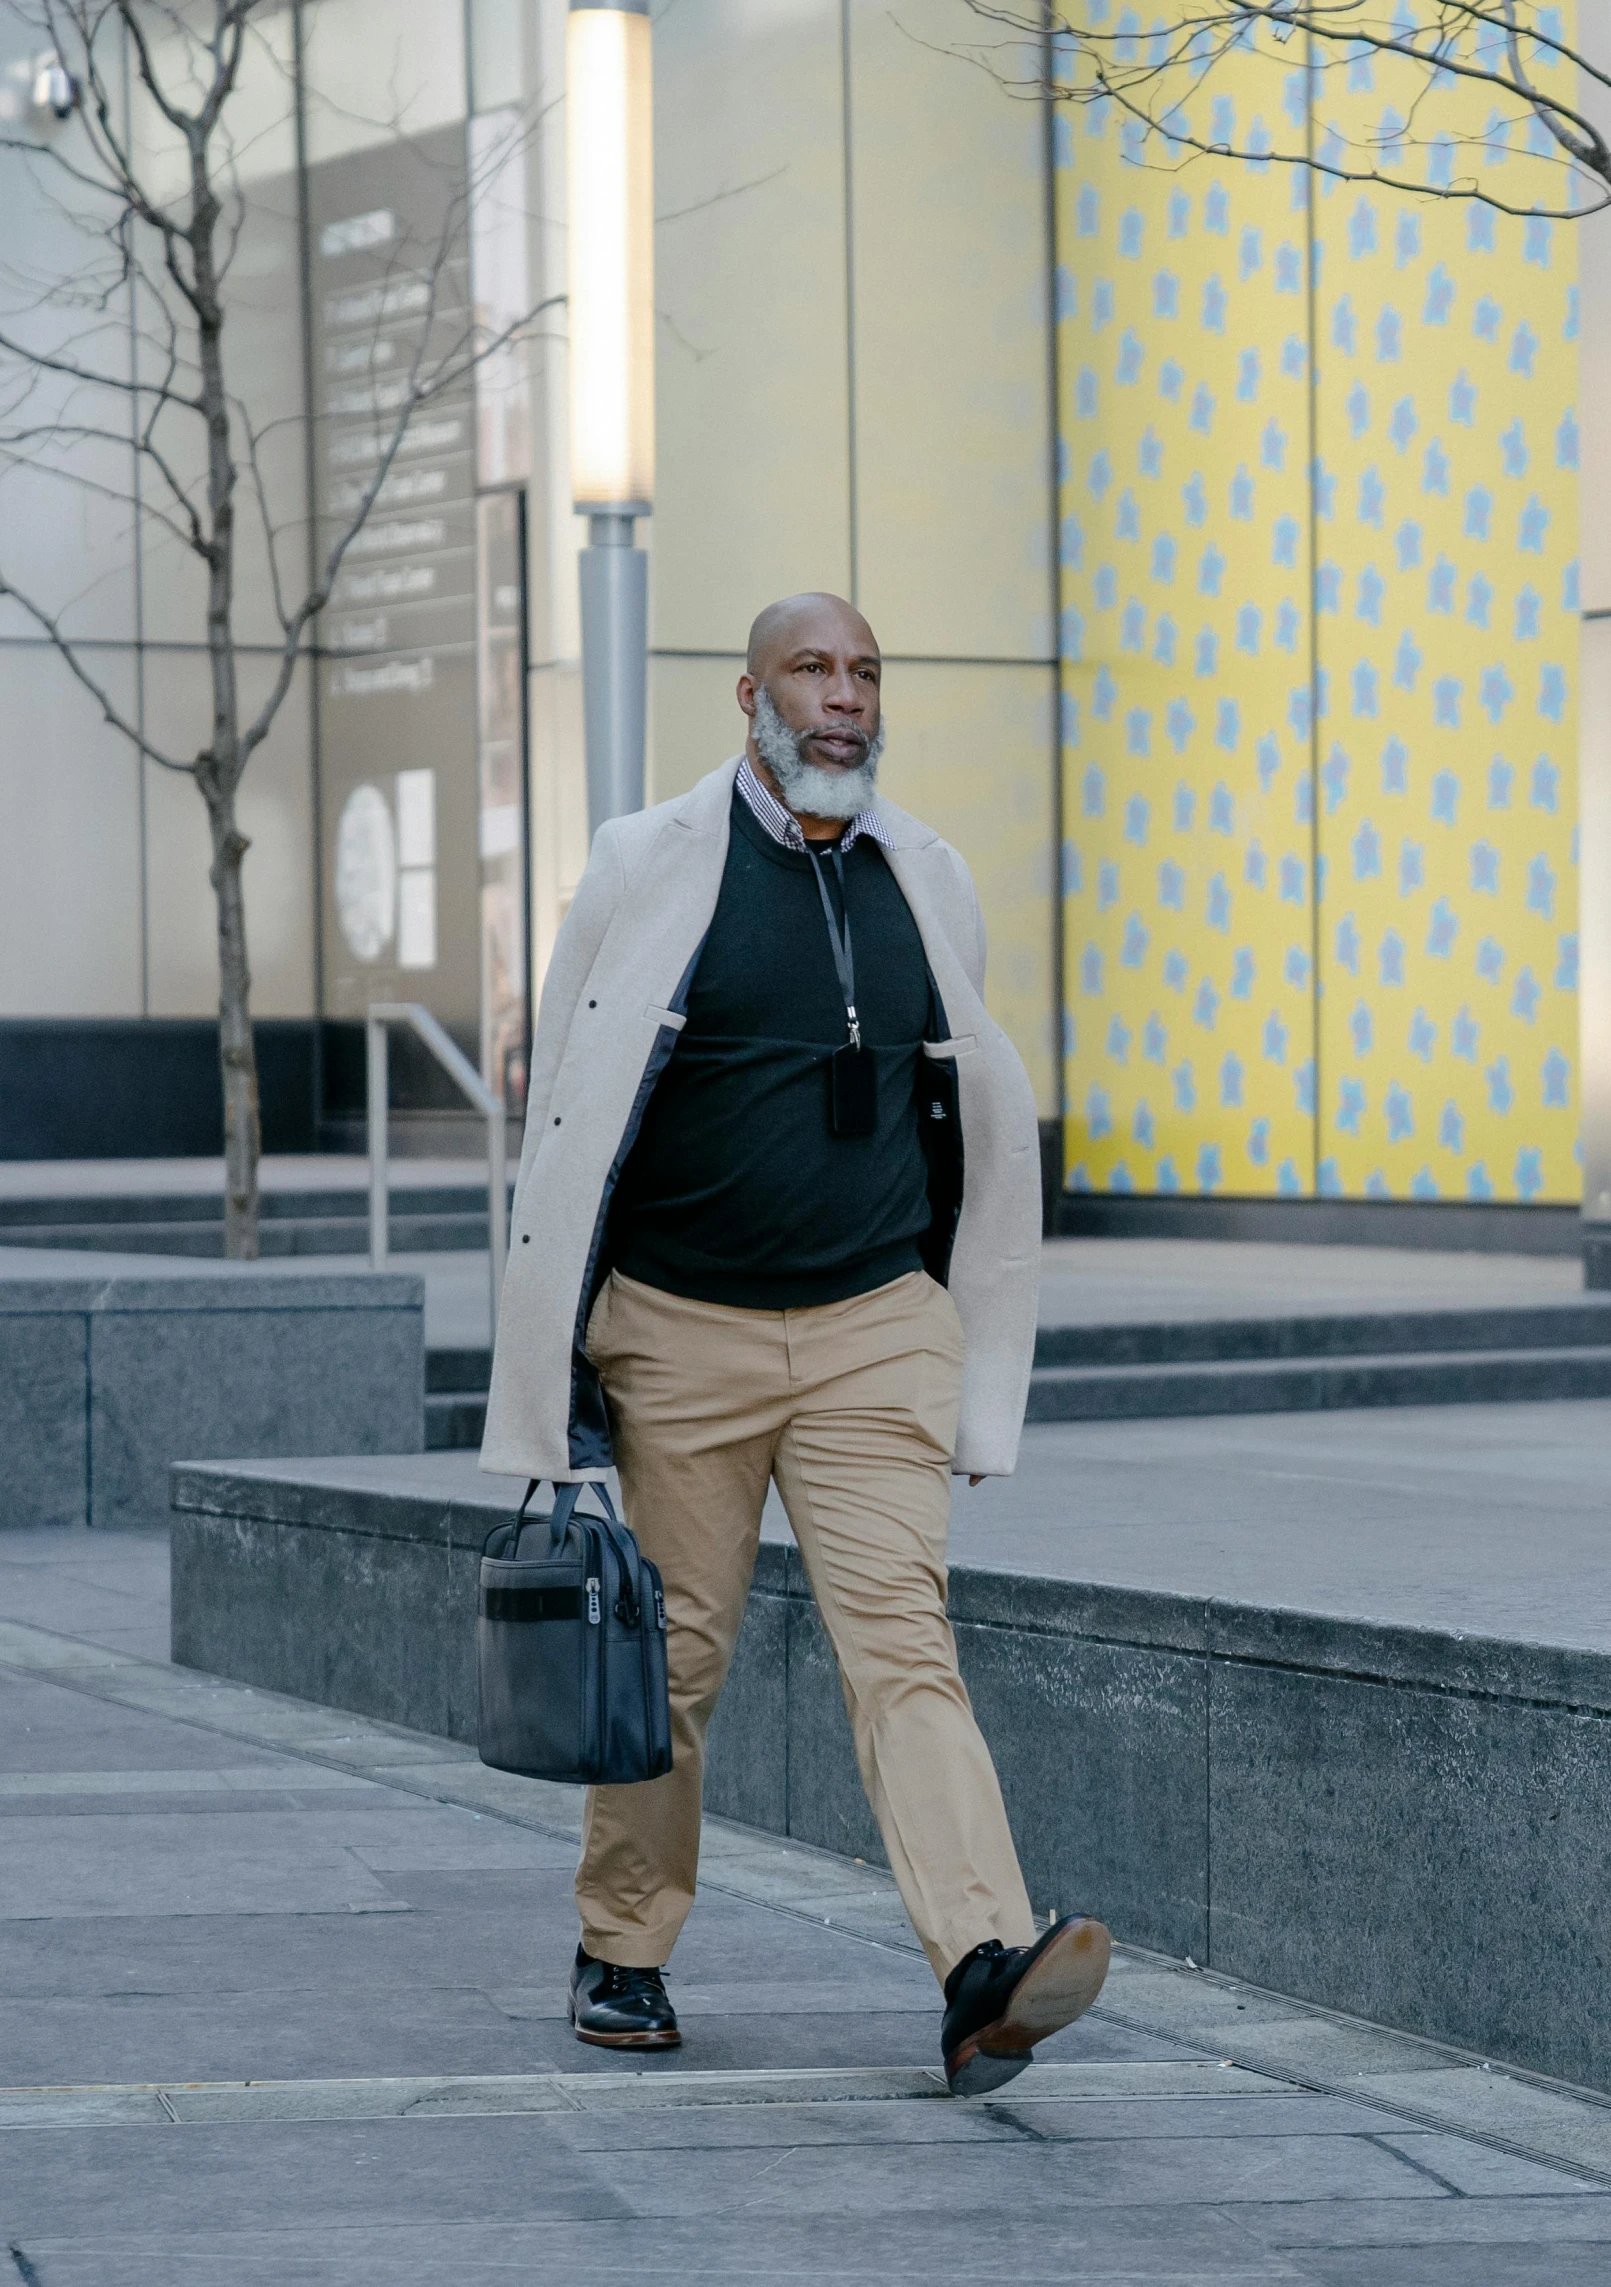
(571, 1647)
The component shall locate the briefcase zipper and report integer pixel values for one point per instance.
(593, 1603)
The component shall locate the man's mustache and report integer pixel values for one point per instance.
(838, 731)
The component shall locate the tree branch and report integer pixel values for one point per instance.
(1148, 76)
(12, 440)
(67, 650)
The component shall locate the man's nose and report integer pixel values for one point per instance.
(844, 696)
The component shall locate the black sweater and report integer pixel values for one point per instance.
(737, 1191)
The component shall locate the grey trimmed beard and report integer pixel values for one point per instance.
(807, 788)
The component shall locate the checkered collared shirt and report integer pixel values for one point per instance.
(784, 827)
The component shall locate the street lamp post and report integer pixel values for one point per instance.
(610, 171)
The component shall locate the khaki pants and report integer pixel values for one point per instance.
(851, 1407)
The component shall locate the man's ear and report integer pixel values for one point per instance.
(746, 693)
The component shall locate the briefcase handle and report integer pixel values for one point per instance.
(565, 1500)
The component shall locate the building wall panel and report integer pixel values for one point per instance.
(1447, 587)
(1319, 555)
(1187, 860)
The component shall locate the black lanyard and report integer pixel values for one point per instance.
(844, 960)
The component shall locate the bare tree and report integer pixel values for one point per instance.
(1441, 65)
(145, 170)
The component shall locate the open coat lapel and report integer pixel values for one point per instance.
(995, 1264)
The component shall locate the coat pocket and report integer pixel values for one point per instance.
(964, 1044)
(672, 1017)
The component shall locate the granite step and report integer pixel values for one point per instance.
(1231, 1366)
(1542, 1326)
(454, 1421)
(278, 1236)
(426, 1218)
(457, 1371)
(1315, 1385)
(297, 1204)
(455, 1398)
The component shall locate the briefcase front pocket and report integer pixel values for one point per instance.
(538, 1669)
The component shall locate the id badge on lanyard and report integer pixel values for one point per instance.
(852, 1069)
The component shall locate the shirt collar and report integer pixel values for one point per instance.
(784, 827)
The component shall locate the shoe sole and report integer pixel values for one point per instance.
(1059, 1985)
(670, 2039)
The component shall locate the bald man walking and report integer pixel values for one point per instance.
(778, 1222)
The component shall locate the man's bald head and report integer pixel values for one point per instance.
(814, 616)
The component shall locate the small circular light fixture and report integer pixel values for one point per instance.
(53, 94)
(366, 873)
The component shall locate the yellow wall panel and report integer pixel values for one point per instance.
(953, 451)
(1186, 642)
(1319, 560)
(1447, 593)
(968, 749)
(752, 400)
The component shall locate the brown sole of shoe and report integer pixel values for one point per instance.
(1059, 1986)
(671, 2040)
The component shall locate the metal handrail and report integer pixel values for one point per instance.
(459, 1069)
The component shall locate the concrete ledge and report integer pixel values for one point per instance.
(1330, 1334)
(106, 1379)
(1402, 1823)
(1506, 1227)
(189, 1290)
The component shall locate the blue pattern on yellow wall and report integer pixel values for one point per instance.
(1447, 636)
(1319, 673)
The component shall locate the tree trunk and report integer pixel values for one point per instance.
(237, 1053)
(219, 765)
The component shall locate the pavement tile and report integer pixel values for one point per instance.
(1001, 2248)
(118, 1595)
(169, 2184)
(50, 1730)
(1284, 2112)
(1046, 2176)
(77, 1867)
(1554, 2122)
(1328, 2049)
(277, 1862)
(1566, 2218)
(272, 2035)
(990, 2121)
(1510, 2265)
(1479, 2170)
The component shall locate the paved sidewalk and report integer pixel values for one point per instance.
(281, 2006)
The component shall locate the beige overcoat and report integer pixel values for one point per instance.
(610, 1014)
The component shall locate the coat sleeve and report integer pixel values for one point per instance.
(581, 933)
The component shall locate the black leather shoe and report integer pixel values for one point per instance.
(1000, 2000)
(618, 2008)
